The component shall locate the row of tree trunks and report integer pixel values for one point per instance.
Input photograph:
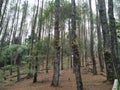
(110, 72)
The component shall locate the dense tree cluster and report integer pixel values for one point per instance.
(43, 34)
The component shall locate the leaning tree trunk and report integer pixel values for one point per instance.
(75, 49)
(92, 41)
(2, 17)
(24, 14)
(110, 72)
(55, 80)
(5, 33)
(13, 21)
(114, 44)
(16, 23)
(1, 3)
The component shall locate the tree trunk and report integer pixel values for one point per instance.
(5, 33)
(18, 62)
(2, 17)
(48, 43)
(100, 55)
(18, 73)
(92, 41)
(32, 35)
(55, 80)
(74, 46)
(36, 70)
(13, 20)
(16, 25)
(110, 72)
(114, 43)
(48, 51)
(1, 3)
(62, 43)
(40, 21)
(71, 58)
(24, 14)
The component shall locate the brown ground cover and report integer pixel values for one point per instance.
(67, 82)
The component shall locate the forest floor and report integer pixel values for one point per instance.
(67, 82)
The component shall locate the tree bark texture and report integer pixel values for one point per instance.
(114, 43)
(107, 42)
(55, 80)
(75, 50)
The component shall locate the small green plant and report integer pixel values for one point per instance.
(30, 73)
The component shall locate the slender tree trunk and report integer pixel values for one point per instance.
(16, 25)
(55, 80)
(110, 72)
(71, 58)
(62, 43)
(5, 33)
(18, 62)
(24, 13)
(32, 35)
(1, 3)
(48, 50)
(74, 46)
(2, 17)
(40, 21)
(48, 43)
(114, 43)
(92, 41)
(13, 20)
(100, 55)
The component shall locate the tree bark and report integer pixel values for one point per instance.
(1, 3)
(55, 80)
(62, 43)
(74, 46)
(40, 21)
(110, 72)
(114, 43)
(32, 34)
(92, 41)
(24, 14)
(99, 36)
(2, 17)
